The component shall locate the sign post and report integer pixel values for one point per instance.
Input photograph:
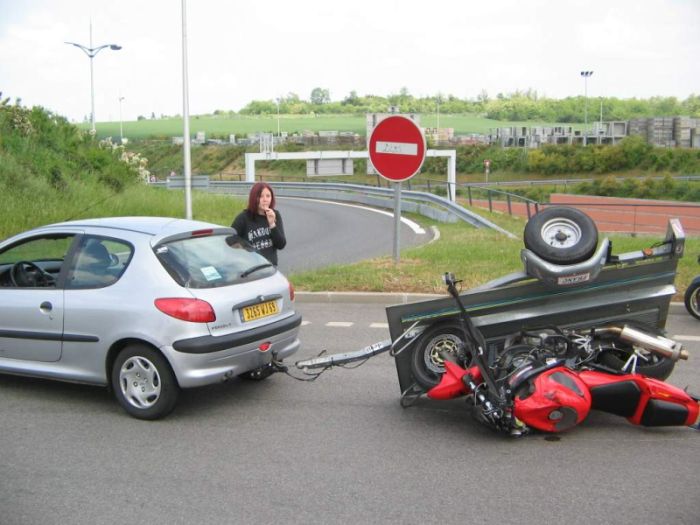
(397, 152)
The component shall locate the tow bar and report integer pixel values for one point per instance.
(328, 361)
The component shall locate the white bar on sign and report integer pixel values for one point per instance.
(397, 148)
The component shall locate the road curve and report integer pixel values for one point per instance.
(321, 233)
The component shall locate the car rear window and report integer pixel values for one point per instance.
(212, 261)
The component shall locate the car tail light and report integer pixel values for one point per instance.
(186, 309)
(291, 291)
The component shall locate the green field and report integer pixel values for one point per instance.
(240, 125)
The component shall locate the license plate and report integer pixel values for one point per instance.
(574, 279)
(257, 311)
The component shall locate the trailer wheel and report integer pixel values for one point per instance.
(561, 235)
(692, 299)
(427, 361)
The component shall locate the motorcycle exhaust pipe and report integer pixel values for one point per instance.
(654, 343)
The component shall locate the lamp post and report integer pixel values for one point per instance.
(187, 160)
(437, 111)
(585, 75)
(278, 118)
(121, 127)
(92, 52)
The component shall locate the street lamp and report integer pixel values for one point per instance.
(121, 128)
(92, 52)
(437, 111)
(278, 118)
(585, 75)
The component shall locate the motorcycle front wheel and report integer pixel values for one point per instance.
(427, 361)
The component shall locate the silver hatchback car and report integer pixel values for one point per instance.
(144, 305)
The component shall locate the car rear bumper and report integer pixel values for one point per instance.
(231, 355)
(209, 343)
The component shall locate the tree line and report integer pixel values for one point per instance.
(517, 106)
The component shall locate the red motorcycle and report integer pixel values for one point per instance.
(549, 379)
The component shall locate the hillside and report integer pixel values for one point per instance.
(51, 171)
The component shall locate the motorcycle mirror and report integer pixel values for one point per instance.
(448, 278)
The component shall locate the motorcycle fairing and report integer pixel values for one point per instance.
(452, 383)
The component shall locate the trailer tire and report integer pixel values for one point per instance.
(692, 299)
(426, 362)
(561, 235)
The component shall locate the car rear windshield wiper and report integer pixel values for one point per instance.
(255, 269)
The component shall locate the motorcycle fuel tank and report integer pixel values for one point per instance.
(552, 401)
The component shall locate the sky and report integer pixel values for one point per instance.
(260, 50)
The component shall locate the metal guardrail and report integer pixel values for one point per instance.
(426, 204)
(566, 182)
(531, 206)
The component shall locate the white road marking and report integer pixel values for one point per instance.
(396, 148)
(346, 324)
(408, 222)
(686, 337)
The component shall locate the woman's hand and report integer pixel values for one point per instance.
(270, 214)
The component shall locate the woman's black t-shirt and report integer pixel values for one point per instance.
(263, 239)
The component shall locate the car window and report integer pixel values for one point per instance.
(35, 262)
(99, 262)
(212, 261)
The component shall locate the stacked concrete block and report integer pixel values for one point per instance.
(683, 129)
(660, 131)
(667, 132)
(638, 126)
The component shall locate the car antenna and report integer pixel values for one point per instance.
(74, 216)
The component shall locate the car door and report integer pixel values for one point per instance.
(31, 297)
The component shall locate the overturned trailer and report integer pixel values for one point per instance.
(635, 288)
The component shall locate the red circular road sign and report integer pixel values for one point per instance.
(397, 148)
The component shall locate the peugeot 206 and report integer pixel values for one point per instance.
(143, 305)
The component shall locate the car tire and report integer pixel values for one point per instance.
(426, 362)
(561, 235)
(143, 382)
(692, 299)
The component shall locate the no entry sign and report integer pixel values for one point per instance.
(397, 148)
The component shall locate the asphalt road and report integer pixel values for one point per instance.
(337, 450)
(321, 233)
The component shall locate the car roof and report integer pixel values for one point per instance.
(160, 227)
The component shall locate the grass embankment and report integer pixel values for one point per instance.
(52, 172)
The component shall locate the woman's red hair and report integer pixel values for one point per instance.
(254, 197)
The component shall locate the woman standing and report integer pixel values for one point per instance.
(260, 223)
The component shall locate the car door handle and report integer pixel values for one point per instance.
(46, 306)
